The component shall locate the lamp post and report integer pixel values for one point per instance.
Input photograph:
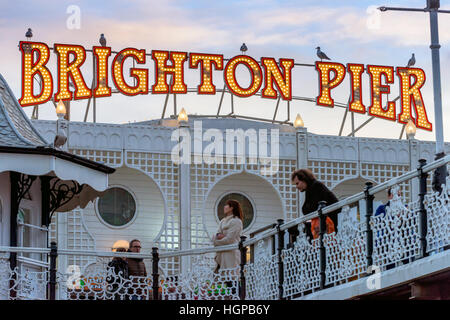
(433, 8)
(61, 127)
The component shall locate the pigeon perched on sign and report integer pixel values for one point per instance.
(321, 54)
(411, 61)
(243, 48)
(102, 40)
(29, 34)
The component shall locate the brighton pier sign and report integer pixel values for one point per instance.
(276, 78)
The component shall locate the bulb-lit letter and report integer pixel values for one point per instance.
(326, 84)
(68, 69)
(282, 80)
(378, 90)
(411, 94)
(30, 68)
(141, 75)
(206, 62)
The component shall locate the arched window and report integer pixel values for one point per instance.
(246, 205)
(117, 207)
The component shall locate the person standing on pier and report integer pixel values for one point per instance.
(315, 191)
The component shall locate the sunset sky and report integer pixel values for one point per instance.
(347, 31)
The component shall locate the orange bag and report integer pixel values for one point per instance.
(315, 226)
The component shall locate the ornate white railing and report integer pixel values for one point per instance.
(277, 269)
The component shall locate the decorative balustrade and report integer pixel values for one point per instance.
(276, 270)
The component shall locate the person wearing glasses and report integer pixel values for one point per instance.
(137, 272)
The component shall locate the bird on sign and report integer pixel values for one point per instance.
(102, 40)
(243, 48)
(321, 54)
(29, 34)
(411, 61)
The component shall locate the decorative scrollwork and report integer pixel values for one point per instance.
(345, 250)
(396, 234)
(301, 266)
(61, 193)
(262, 275)
(437, 205)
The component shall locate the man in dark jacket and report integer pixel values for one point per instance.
(136, 268)
(315, 191)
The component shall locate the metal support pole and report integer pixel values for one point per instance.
(155, 274)
(52, 277)
(369, 233)
(280, 261)
(437, 95)
(221, 100)
(242, 283)
(45, 200)
(232, 103)
(276, 109)
(322, 251)
(422, 211)
(440, 174)
(94, 110)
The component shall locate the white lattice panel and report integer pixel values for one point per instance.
(261, 276)
(438, 218)
(345, 251)
(165, 173)
(383, 172)
(52, 229)
(331, 173)
(109, 158)
(78, 238)
(301, 267)
(396, 235)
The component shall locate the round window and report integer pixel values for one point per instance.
(246, 205)
(117, 207)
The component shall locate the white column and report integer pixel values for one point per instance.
(184, 186)
(302, 161)
(413, 164)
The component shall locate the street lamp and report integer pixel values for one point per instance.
(298, 123)
(61, 127)
(410, 129)
(182, 116)
(432, 7)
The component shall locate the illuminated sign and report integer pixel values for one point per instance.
(274, 78)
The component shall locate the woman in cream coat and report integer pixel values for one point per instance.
(229, 232)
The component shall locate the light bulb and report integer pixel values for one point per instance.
(298, 123)
(61, 109)
(410, 129)
(182, 116)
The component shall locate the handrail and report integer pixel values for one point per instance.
(24, 249)
(32, 226)
(204, 250)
